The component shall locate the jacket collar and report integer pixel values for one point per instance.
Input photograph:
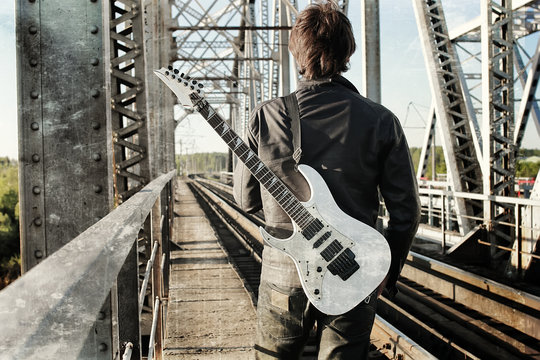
(336, 79)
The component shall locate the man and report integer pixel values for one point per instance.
(358, 147)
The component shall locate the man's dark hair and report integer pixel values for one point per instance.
(322, 41)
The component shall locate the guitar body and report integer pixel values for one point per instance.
(329, 292)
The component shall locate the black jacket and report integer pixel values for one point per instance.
(355, 144)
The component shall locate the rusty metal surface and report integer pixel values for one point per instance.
(518, 310)
(49, 312)
(64, 142)
(63, 137)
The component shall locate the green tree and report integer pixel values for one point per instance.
(440, 164)
(9, 222)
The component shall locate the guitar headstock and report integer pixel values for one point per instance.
(188, 90)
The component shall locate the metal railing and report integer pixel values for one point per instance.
(49, 312)
(525, 230)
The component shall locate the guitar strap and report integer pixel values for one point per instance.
(291, 104)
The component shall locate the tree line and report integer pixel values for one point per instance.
(198, 163)
(10, 259)
(524, 167)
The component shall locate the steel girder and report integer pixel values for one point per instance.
(445, 78)
(128, 98)
(370, 43)
(498, 117)
(466, 38)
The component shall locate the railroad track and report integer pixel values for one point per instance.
(441, 312)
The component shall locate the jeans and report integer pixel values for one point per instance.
(285, 319)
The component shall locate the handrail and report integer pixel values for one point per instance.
(49, 311)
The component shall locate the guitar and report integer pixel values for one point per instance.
(340, 260)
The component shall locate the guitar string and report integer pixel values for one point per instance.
(292, 206)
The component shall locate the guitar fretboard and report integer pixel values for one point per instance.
(283, 196)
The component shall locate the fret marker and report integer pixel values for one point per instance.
(273, 181)
(211, 111)
(238, 143)
(225, 128)
(259, 167)
(250, 154)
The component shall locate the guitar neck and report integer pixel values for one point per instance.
(266, 177)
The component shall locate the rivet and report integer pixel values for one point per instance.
(97, 189)
(34, 94)
(94, 61)
(96, 156)
(95, 125)
(34, 126)
(94, 93)
(33, 62)
(102, 347)
(36, 190)
(101, 315)
(319, 269)
(32, 29)
(32, 1)
(37, 221)
(38, 254)
(316, 291)
(94, 29)
(35, 158)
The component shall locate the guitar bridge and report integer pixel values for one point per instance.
(344, 265)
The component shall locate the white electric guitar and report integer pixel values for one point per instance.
(339, 259)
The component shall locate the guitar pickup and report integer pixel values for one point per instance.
(312, 229)
(331, 250)
(344, 265)
(322, 239)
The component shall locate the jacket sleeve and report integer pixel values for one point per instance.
(246, 188)
(399, 189)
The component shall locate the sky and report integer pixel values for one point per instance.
(405, 87)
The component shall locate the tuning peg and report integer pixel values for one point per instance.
(173, 76)
(167, 73)
(201, 85)
(185, 83)
(170, 67)
(200, 92)
(176, 71)
(182, 75)
(194, 82)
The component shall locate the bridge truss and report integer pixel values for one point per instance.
(96, 126)
(473, 73)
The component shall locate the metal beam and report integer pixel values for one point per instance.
(64, 134)
(450, 107)
(528, 103)
(470, 31)
(371, 57)
(498, 117)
